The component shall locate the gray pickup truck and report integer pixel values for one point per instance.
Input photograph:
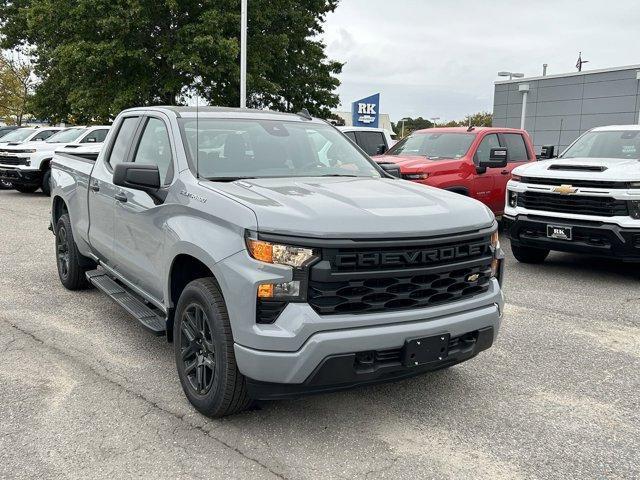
(278, 258)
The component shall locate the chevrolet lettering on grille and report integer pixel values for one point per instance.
(411, 257)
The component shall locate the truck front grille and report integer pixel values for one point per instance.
(575, 183)
(432, 275)
(577, 204)
(5, 160)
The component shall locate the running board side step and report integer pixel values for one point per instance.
(128, 300)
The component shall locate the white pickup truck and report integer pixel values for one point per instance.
(585, 201)
(27, 165)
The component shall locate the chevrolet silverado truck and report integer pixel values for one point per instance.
(586, 201)
(27, 165)
(275, 269)
(454, 158)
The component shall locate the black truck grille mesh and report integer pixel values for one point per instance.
(398, 292)
(12, 160)
(577, 204)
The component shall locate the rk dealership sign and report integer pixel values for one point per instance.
(365, 111)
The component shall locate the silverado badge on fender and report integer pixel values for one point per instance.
(565, 189)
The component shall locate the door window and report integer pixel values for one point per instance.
(43, 135)
(123, 140)
(370, 141)
(351, 135)
(484, 149)
(517, 150)
(155, 149)
(97, 136)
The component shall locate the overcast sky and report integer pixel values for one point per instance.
(439, 58)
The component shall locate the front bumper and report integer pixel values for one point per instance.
(306, 368)
(20, 176)
(594, 238)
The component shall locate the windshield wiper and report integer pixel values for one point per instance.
(227, 179)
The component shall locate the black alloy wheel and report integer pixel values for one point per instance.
(62, 252)
(198, 349)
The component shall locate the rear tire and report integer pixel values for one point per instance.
(46, 182)
(68, 258)
(529, 254)
(203, 346)
(26, 188)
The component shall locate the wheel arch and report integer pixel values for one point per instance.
(459, 190)
(58, 208)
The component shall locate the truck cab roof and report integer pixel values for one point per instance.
(223, 112)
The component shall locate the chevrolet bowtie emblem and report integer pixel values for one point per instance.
(473, 277)
(565, 189)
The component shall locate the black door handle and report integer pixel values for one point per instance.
(95, 187)
(505, 172)
(121, 197)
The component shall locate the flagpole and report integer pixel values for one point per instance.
(243, 54)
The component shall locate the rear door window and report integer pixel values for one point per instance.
(370, 141)
(517, 149)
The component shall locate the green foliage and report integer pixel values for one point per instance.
(480, 119)
(15, 88)
(411, 125)
(97, 57)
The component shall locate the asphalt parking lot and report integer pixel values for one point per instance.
(86, 392)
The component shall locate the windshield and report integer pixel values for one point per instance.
(230, 149)
(434, 145)
(623, 144)
(65, 136)
(18, 135)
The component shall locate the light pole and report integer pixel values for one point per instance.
(243, 54)
(403, 120)
(511, 75)
(434, 120)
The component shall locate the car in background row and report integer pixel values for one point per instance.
(374, 141)
(585, 201)
(4, 185)
(28, 134)
(27, 165)
(459, 159)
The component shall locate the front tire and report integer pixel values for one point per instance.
(6, 185)
(529, 254)
(203, 346)
(46, 183)
(68, 258)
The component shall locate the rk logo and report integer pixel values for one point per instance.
(367, 108)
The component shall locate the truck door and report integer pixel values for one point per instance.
(484, 183)
(102, 190)
(139, 224)
(516, 155)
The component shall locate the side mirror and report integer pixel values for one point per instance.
(547, 152)
(382, 148)
(145, 178)
(391, 168)
(497, 159)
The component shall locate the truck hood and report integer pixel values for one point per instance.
(607, 169)
(354, 207)
(418, 163)
(38, 146)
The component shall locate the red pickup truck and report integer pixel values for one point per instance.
(449, 158)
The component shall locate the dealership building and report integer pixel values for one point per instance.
(556, 109)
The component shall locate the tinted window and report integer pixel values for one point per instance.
(43, 135)
(123, 140)
(351, 135)
(155, 149)
(484, 149)
(97, 136)
(370, 141)
(516, 147)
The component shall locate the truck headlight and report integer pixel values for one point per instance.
(634, 209)
(415, 176)
(512, 198)
(516, 178)
(279, 254)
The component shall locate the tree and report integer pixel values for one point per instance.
(480, 119)
(16, 81)
(411, 125)
(97, 57)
